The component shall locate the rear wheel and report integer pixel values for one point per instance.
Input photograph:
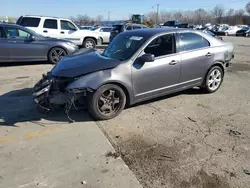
(213, 79)
(55, 55)
(89, 43)
(107, 102)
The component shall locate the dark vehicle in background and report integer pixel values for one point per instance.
(136, 66)
(186, 26)
(212, 33)
(243, 32)
(19, 44)
(173, 23)
(222, 31)
(116, 29)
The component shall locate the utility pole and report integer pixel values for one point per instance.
(157, 13)
(109, 17)
(157, 16)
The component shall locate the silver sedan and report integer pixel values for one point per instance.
(19, 44)
(137, 66)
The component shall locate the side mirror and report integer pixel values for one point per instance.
(32, 38)
(147, 58)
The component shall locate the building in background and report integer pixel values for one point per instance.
(4, 19)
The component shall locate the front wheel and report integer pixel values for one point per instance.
(89, 43)
(55, 55)
(213, 79)
(107, 102)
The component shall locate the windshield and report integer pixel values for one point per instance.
(124, 46)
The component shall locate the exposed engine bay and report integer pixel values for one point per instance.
(51, 91)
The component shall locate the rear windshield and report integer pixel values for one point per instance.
(29, 22)
(116, 27)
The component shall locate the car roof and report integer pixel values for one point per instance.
(155, 31)
(9, 24)
(38, 16)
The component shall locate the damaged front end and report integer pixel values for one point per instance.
(51, 92)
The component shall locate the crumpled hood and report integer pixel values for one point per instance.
(80, 64)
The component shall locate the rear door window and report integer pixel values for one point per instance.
(15, 33)
(50, 24)
(193, 41)
(29, 22)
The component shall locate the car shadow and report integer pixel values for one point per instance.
(18, 106)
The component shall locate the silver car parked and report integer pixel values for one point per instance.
(136, 66)
(19, 44)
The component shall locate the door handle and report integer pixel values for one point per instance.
(208, 54)
(45, 31)
(173, 62)
(62, 32)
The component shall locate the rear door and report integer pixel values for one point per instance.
(196, 57)
(105, 34)
(21, 47)
(50, 28)
(4, 46)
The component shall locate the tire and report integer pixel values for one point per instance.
(213, 80)
(246, 35)
(89, 43)
(96, 102)
(55, 55)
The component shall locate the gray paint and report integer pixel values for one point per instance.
(153, 79)
(18, 50)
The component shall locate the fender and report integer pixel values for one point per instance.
(95, 80)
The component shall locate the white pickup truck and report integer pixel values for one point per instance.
(61, 28)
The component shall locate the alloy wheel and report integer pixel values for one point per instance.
(56, 54)
(214, 80)
(110, 102)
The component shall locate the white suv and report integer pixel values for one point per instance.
(60, 28)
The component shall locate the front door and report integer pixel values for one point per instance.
(196, 58)
(4, 47)
(161, 76)
(68, 31)
(22, 48)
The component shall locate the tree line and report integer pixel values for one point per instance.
(217, 15)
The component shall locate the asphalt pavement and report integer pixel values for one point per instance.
(39, 150)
